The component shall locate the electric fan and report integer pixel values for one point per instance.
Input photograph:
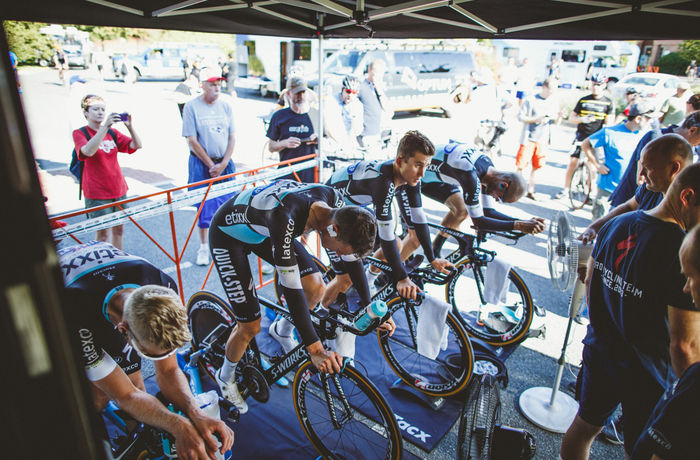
(480, 437)
(544, 406)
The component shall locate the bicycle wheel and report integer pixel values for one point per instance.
(344, 415)
(580, 189)
(208, 313)
(498, 324)
(445, 375)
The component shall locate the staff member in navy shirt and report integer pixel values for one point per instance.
(644, 328)
(671, 430)
(291, 132)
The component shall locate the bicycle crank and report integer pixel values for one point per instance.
(254, 381)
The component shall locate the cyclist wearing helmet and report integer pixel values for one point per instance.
(590, 114)
(344, 118)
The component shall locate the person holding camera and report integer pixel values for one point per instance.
(537, 114)
(97, 144)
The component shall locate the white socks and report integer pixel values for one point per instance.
(371, 276)
(228, 370)
(283, 327)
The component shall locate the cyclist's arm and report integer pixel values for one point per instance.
(419, 221)
(147, 409)
(381, 197)
(281, 226)
(174, 386)
(354, 268)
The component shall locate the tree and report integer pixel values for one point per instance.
(690, 49)
(28, 43)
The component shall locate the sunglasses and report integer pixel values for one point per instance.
(349, 91)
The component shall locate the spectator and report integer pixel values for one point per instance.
(643, 328)
(60, 62)
(692, 71)
(670, 431)
(376, 108)
(590, 114)
(689, 129)
(673, 109)
(507, 76)
(537, 113)
(344, 116)
(526, 81)
(291, 132)
(103, 181)
(207, 124)
(617, 143)
(692, 104)
(14, 62)
(231, 67)
(631, 98)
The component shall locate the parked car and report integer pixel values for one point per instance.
(654, 87)
(414, 80)
(75, 56)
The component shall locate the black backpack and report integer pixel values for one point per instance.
(76, 166)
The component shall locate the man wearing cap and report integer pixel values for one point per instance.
(291, 132)
(207, 124)
(617, 143)
(673, 109)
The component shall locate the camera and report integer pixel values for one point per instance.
(124, 116)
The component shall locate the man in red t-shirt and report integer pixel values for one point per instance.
(103, 181)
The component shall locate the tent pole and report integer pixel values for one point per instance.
(321, 104)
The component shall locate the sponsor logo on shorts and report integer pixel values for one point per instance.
(229, 278)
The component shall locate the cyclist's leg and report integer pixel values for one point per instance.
(451, 195)
(573, 163)
(340, 283)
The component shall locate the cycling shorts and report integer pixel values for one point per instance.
(606, 382)
(439, 191)
(231, 259)
(577, 152)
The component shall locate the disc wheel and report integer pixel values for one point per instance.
(498, 324)
(205, 313)
(445, 375)
(345, 416)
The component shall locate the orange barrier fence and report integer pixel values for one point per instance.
(649, 68)
(168, 201)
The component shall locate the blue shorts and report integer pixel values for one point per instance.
(199, 172)
(606, 382)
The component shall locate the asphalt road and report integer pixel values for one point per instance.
(52, 111)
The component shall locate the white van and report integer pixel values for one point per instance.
(415, 79)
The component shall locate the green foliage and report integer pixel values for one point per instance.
(673, 63)
(255, 66)
(690, 49)
(27, 42)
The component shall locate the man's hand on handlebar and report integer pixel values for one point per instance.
(207, 426)
(587, 236)
(407, 289)
(442, 265)
(324, 360)
(534, 225)
(189, 443)
(388, 326)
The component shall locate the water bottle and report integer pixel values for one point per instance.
(376, 309)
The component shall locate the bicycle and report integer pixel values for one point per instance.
(497, 324)
(343, 415)
(400, 350)
(145, 442)
(488, 137)
(581, 181)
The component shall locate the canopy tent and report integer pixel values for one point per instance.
(533, 19)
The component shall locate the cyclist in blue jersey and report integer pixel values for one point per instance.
(660, 161)
(465, 180)
(121, 309)
(376, 182)
(266, 221)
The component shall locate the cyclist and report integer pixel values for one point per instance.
(590, 114)
(121, 308)
(377, 182)
(266, 220)
(467, 182)
(344, 115)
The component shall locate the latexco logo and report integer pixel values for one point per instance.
(412, 430)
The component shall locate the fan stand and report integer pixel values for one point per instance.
(544, 406)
